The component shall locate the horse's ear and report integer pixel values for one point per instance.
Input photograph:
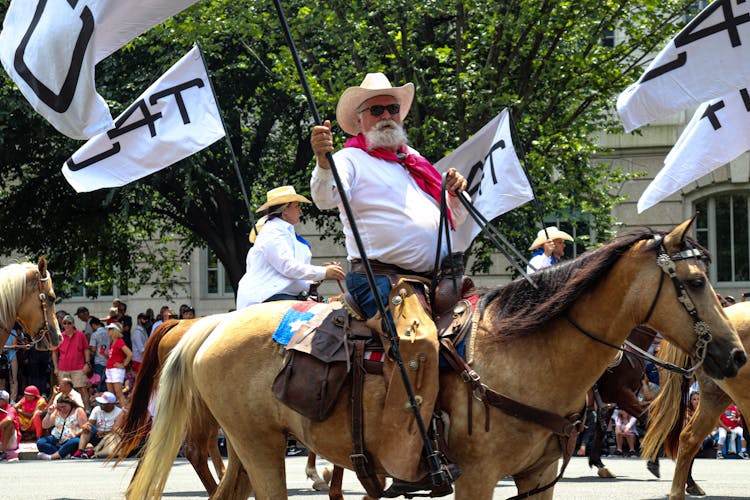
(42, 265)
(673, 241)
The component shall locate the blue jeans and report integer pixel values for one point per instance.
(101, 370)
(360, 289)
(50, 445)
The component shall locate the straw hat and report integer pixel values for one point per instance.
(281, 195)
(258, 227)
(552, 233)
(373, 85)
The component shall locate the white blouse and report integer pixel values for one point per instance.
(277, 263)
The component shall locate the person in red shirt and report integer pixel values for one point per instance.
(730, 422)
(72, 356)
(118, 359)
(10, 431)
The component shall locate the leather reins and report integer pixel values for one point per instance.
(702, 330)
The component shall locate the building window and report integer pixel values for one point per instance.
(87, 285)
(723, 226)
(216, 279)
(608, 38)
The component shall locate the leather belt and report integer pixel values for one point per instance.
(381, 268)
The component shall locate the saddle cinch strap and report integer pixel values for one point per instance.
(566, 429)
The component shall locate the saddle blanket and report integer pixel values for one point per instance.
(299, 314)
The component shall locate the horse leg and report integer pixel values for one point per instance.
(235, 484)
(691, 437)
(692, 487)
(475, 483)
(600, 429)
(534, 478)
(319, 484)
(262, 454)
(336, 491)
(212, 445)
(197, 455)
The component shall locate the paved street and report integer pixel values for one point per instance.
(78, 480)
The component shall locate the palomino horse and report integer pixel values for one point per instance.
(716, 395)
(201, 439)
(27, 296)
(620, 385)
(543, 344)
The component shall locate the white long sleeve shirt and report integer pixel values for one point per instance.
(397, 221)
(277, 263)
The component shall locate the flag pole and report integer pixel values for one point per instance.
(229, 143)
(437, 475)
(515, 138)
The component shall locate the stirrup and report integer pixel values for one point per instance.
(424, 488)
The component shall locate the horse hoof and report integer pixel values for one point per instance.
(605, 473)
(320, 486)
(327, 475)
(653, 468)
(695, 490)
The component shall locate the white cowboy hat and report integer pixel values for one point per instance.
(281, 195)
(552, 233)
(373, 85)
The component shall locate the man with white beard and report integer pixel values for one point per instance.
(394, 194)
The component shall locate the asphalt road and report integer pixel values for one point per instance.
(79, 480)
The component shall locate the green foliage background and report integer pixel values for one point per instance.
(469, 59)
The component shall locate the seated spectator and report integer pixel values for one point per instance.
(104, 419)
(99, 347)
(624, 428)
(119, 357)
(66, 420)
(11, 375)
(66, 389)
(731, 423)
(30, 410)
(10, 433)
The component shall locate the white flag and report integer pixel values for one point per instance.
(706, 60)
(174, 118)
(497, 182)
(50, 47)
(716, 135)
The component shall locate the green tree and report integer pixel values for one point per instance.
(547, 60)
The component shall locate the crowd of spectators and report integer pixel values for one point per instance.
(76, 395)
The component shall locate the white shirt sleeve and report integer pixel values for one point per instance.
(323, 185)
(278, 251)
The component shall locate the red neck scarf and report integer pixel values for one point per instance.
(426, 175)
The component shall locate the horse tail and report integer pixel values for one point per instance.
(136, 425)
(667, 410)
(171, 415)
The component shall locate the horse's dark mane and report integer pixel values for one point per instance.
(519, 308)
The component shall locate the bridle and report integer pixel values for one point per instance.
(702, 330)
(44, 331)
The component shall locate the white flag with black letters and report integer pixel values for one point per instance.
(50, 47)
(706, 60)
(497, 182)
(174, 118)
(716, 135)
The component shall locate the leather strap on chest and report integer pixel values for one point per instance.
(566, 429)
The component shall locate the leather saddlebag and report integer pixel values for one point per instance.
(315, 369)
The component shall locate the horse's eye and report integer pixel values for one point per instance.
(697, 283)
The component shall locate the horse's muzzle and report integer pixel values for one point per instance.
(715, 369)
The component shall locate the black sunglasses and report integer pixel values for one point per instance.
(377, 109)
